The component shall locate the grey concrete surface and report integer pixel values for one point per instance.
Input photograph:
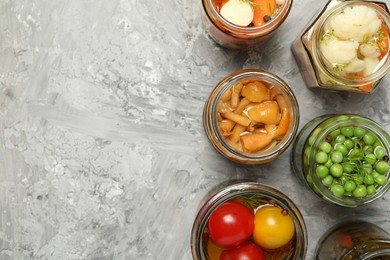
(102, 148)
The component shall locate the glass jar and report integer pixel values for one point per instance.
(255, 191)
(288, 124)
(309, 143)
(354, 240)
(233, 36)
(323, 64)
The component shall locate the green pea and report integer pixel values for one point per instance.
(349, 143)
(350, 186)
(367, 168)
(321, 157)
(342, 149)
(322, 171)
(377, 143)
(369, 138)
(340, 139)
(312, 139)
(307, 151)
(359, 179)
(329, 163)
(309, 178)
(335, 133)
(381, 180)
(337, 157)
(336, 170)
(347, 131)
(327, 181)
(382, 167)
(359, 132)
(360, 191)
(343, 179)
(370, 158)
(379, 152)
(369, 179)
(325, 147)
(348, 168)
(337, 190)
(374, 174)
(371, 190)
(368, 149)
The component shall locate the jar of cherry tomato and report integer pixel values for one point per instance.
(344, 159)
(354, 240)
(346, 46)
(233, 221)
(251, 116)
(241, 24)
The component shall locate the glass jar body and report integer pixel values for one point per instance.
(231, 36)
(313, 65)
(210, 115)
(234, 190)
(358, 240)
(307, 145)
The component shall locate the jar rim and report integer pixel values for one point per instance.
(234, 188)
(211, 125)
(335, 122)
(254, 31)
(321, 60)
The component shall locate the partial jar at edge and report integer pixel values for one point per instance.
(352, 71)
(308, 143)
(234, 190)
(275, 144)
(354, 240)
(233, 36)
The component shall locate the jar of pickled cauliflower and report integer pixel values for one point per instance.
(251, 116)
(248, 220)
(346, 47)
(241, 24)
(354, 240)
(344, 159)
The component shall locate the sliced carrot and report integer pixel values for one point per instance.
(266, 112)
(213, 251)
(383, 45)
(219, 3)
(261, 9)
(366, 88)
(255, 142)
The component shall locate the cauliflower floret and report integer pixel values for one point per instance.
(369, 50)
(371, 64)
(356, 23)
(339, 52)
(355, 66)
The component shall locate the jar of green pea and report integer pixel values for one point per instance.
(344, 159)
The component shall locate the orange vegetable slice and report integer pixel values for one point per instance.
(255, 91)
(255, 142)
(266, 112)
(383, 45)
(261, 9)
(213, 251)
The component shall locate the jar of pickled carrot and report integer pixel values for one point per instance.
(346, 46)
(354, 240)
(241, 24)
(251, 116)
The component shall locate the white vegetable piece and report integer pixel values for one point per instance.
(355, 23)
(280, 2)
(371, 64)
(237, 12)
(355, 66)
(369, 50)
(339, 52)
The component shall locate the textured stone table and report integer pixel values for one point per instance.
(102, 148)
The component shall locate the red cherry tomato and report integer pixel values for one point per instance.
(246, 251)
(230, 224)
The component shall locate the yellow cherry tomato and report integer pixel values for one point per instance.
(213, 251)
(274, 227)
